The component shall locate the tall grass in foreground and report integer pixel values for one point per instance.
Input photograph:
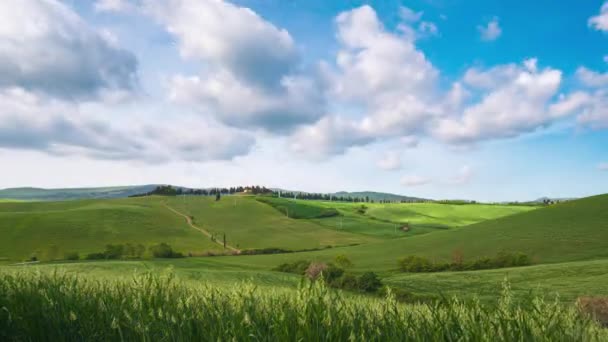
(59, 307)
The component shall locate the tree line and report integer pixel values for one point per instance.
(168, 190)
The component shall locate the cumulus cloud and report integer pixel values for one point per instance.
(47, 48)
(591, 78)
(515, 99)
(600, 21)
(252, 77)
(114, 6)
(463, 176)
(414, 180)
(385, 75)
(490, 31)
(390, 161)
(37, 122)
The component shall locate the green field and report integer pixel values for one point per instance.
(567, 242)
(42, 306)
(86, 226)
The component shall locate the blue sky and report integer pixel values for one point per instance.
(481, 100)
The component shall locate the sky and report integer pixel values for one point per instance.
(444, 99)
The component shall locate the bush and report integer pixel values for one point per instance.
(501, 260)
(369, 282)
(297, 267)
(71, 256)
(343, 261)
(114, 251)
(415, 264)
(315, 269)
(95, 256)
(163, 250)
(595, 307)
(265, 251)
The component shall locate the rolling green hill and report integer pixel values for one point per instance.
(576, 230)
(249, 223)
(75, 193)
(86, 226)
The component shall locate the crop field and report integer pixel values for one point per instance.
(151, 307)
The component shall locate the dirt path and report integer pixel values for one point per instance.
(202, 230)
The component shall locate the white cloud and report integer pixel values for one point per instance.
(390, 161)
(35, 122)
(414, 180)
(591, 78)
(463, 176)
(114, 6)
(428, 28)
(603, 167)
(518, 100)
(383, 74)
(408, 15)
(251, 79)
(600, 21)
(491, 31)
(46, 47)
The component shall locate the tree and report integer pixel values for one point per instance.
(369, 282)
(218, 196)
(343, 261)
(224, 240)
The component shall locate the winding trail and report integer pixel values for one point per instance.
(202, 230)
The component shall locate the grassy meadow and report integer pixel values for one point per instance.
(566, 242)
(151, 307)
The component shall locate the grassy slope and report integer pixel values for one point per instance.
(572, 231)
(74, 193)
(251, 224)
(88, 225)
(569, 280)
(446, 215)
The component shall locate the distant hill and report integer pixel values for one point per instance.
(38, 194)
(568, 231)
(376, 196)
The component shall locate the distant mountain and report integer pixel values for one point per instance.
(39, 194)
(376, 196)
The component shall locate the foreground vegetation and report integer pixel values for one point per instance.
(58, 307)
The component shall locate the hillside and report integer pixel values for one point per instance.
(50, 229)
(39, 194)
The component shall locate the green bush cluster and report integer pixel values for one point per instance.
(414, 263)
(335, 276)
(40, 306)
(163, 250)
(131, 251)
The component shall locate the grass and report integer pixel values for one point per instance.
(49, 229)
(57, 307)
(441, 215)
(249, 223)
(568, 280)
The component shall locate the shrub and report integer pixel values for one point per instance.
(343, 261)
(95, 256)
(114, 251)
(71, 256)
(501, 260)
(163, 250)
(369, 282)
(595, 307)
(315, 269)
(414, 263)
(297, 267)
